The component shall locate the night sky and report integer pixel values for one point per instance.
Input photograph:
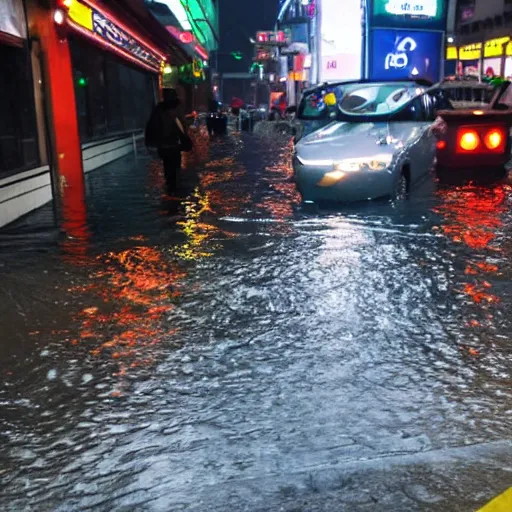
(240, 20)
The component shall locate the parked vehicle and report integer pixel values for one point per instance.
(378, 142)
(468, 93)
(475, 142)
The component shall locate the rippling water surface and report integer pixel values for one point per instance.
(230, 352)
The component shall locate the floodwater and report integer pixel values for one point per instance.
(229, 351)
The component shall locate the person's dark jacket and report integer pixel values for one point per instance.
(162, 130)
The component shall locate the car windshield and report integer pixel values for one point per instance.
(313, 105)
(358, 102)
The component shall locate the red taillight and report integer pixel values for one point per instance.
(493, 139)
(468, 140)
(481, 140)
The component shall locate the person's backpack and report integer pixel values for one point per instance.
(162, 130)
(165, 130)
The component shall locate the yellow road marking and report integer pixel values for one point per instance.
(502, 503)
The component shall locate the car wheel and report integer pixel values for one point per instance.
(401, 189)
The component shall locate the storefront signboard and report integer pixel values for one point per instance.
(492, 48)
(341, 41)
(405, 54)
(424, 14)
(102, 28)
(12, 18)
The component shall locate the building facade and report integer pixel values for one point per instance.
(371, 39)
(481, 40)
(79, 80)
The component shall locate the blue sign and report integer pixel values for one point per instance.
(402, 54)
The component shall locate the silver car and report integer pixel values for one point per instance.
(380, 144)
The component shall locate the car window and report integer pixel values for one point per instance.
(438, 100)
(414, 112)
(313, 105)
(375, 99)
(506, 98)
(462, 95)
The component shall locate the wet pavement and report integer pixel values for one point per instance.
(229, 351)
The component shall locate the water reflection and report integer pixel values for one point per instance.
(474, 217)
(197, 232)
(282, 197)
(130, 292)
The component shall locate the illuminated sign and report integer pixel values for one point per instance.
(263, 55)
(426, 8)
(409, 14)
(279, 38)
(402, 54)
(12, 18)
(452, 53)
(95, 24)
(186, 37)
(341, 41)
(492, 48)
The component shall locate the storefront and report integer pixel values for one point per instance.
(19, 145)
(496, 60)
(113, 97)
(115, 73)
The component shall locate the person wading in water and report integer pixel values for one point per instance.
(166, 131)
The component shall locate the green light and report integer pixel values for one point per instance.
(82, 82)
(237, 55)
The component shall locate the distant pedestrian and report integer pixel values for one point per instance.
(166, 131)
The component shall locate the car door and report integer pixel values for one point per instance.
(410, 125)
(432, 102)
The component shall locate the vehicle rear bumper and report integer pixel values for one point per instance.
(449, 160)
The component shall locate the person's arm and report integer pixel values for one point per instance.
(182, 125)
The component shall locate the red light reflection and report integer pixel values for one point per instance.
(473, 217)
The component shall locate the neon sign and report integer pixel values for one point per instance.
(95, 24)
(410, 14)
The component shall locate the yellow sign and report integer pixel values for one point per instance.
(298, 76)
(492, 48)
(80, 14)
(470, 52)
(451, 53)
(502, 503)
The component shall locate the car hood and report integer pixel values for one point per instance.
(357, 140)
(343, 140)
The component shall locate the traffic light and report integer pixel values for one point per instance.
(237, 55)
(82, 82)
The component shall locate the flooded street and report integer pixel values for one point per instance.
(230, 351)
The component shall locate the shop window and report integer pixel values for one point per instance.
(18, 129)
(112, 97)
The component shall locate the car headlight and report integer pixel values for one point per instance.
(372, 163)
(314, 163)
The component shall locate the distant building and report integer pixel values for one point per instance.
(481, 24)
